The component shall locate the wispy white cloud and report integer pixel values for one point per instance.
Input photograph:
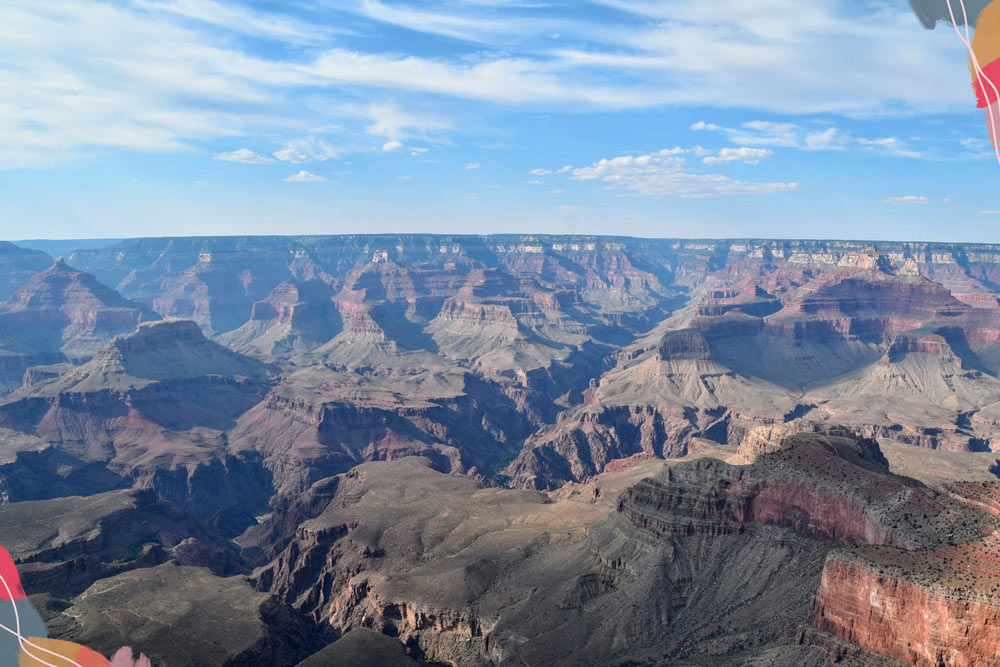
(308, 149)
(244, 156)
(914, 200)
(791, 135)
(244, 21)
(448, 25)
(169, 75)
(291, 155)
(741, 154)
(666, 173)
(391, 146)
(472, 165)
(304, 177)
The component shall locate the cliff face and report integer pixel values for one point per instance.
(61, 314)
(900, 618)
(932, 606)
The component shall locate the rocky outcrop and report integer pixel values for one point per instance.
(302, 437)
(728, 557)
(61, 314)
(151, 607)
(152, 408)
(17, 266)
(912, 622)
(64, 545)
(296, 317)
(931, 606)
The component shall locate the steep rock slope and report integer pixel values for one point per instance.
(704, 563)
(61, 314)
(296, 317)
(184, 616)
(154, 406)
(932, 606)
(17, 265)
(62, 546)
(865, 341)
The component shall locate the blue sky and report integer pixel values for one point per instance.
(771, 118)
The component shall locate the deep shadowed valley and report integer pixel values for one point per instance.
(506, 450)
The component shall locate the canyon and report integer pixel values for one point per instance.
(511, 449)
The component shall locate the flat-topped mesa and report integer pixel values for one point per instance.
(825, 483)
(753, 300)
(683, 344)
(843, 440)
(169, 349)
(297, 316)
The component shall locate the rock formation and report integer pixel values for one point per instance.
(508, 449)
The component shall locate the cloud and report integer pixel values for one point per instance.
(244, 156)
(472, 165)
(665, 173)
(291, 155)
(989, 212)
(447, 25)
(417, 152)
(243, 21)
(791, 135)
(392, 146)
(304, 177)
(390, 121)
(546, 172)
(170, 75)
(913, 200)
(308, 149)
(742, 154)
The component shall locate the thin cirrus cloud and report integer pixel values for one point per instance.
(666, 174)
(304, 176)
(165, 76)
(742, 154)
(913, 200)
(243, 156)
(792, 135)
(547, 172)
